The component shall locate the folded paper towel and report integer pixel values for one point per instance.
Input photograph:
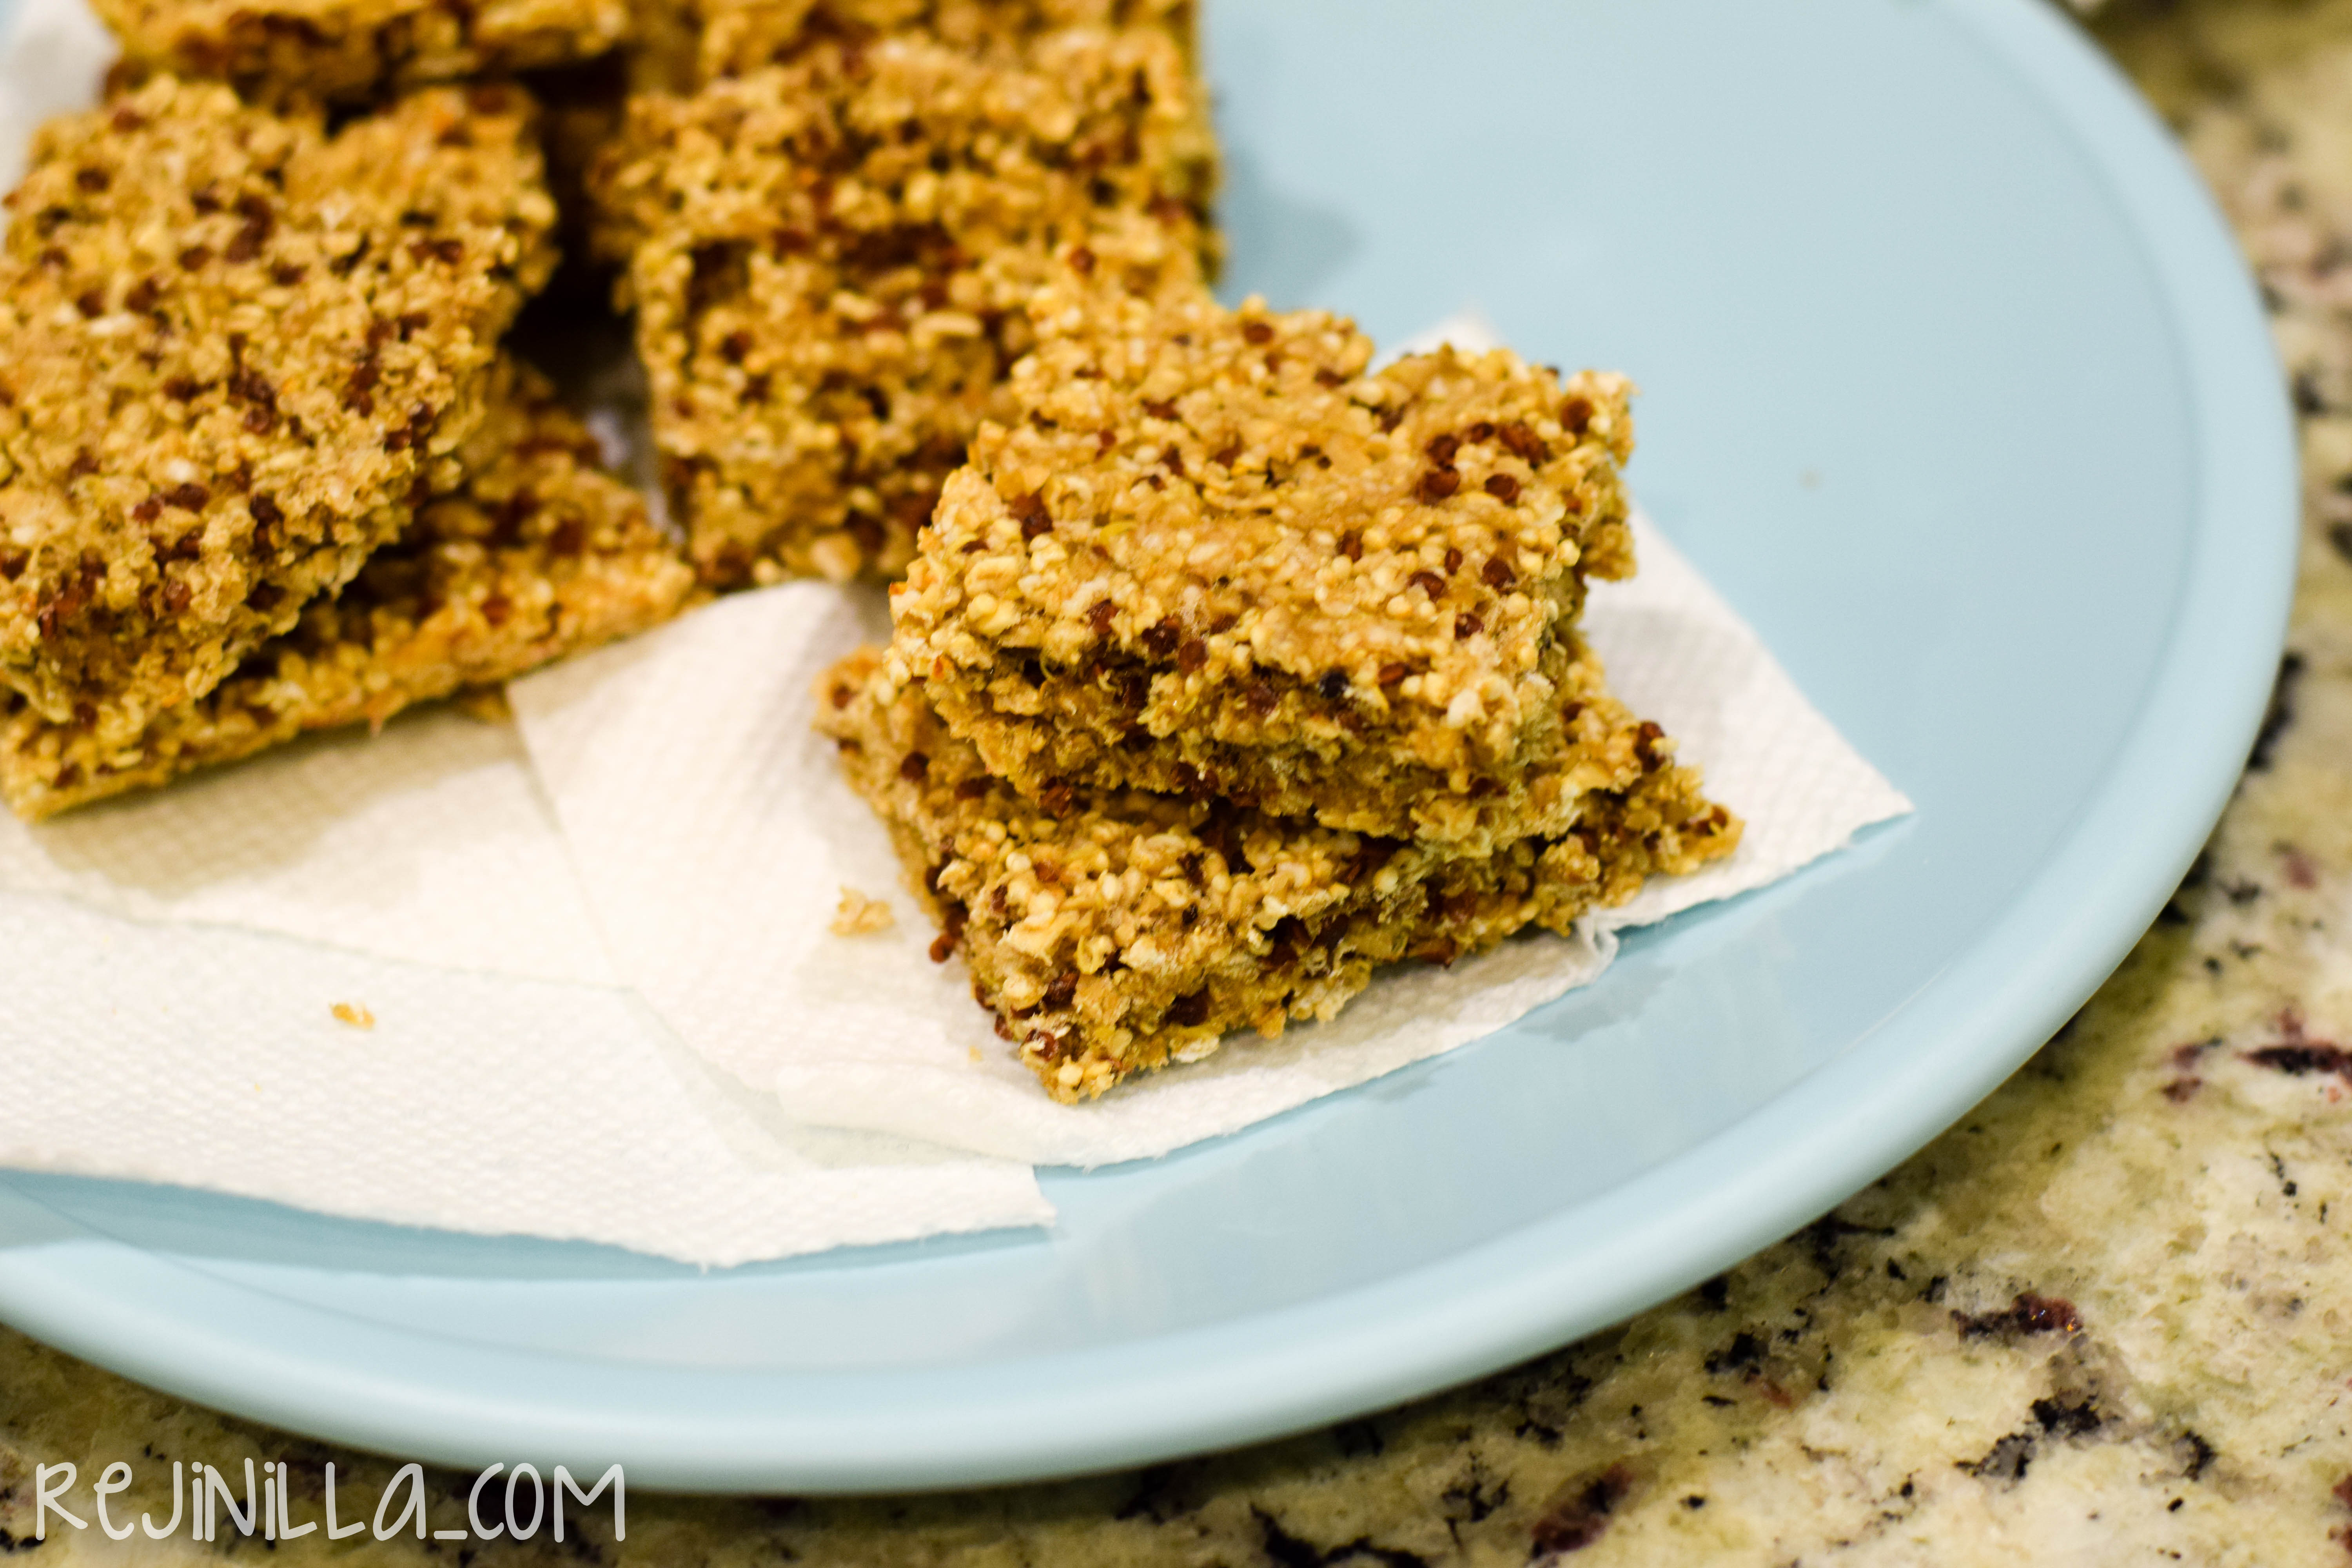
(713, 833)
(428, 843)
(217, 1058)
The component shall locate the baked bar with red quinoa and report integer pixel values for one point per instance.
(831, 261)
(1117, 931)
(234, 353)
(341, 50)
(680, 45)
(1210, 553)
(541, 554)
(732, 38)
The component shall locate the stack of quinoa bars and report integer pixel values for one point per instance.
(1224, 669)
(1230, 669)
(265, 465)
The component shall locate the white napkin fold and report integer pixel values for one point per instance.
(217, 1058)
(428, 843)
(713, 832)
(480, 1076)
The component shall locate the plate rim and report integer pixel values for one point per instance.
(150, 1316)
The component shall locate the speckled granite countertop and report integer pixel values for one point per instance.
(2107, 1318)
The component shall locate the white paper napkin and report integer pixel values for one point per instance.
(713, 832)
(477, 1077)
(215, 1058)
(53, 60)
(482, 1074)
(427, 843)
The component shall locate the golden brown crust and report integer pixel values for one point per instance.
(335, 50)
(1209, 554)
(832, 260)
(735, 36)
(232, 352)
(1120, 931)
(682, 45)
(541, 554)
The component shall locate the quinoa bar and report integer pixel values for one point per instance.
(832, 260)
(1212, 555)
(680, 45)
(540, 555)
(1119, 931)
(234, 353)
(700, 41)
(337, 50)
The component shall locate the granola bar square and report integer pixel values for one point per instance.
(234, 353)
(833, 259)
(732, 38)
(1210, 552)
(540, 555)
(342, 51)
(1118, 931)
(680, 45)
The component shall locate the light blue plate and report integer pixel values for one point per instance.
(1955, 387)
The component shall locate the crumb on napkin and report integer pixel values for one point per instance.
(859, 914)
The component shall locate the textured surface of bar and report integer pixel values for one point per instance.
(276, 50)
(832, 262)
(732, 38)
(1120, 931)
(234, 353)
(680, 45)
(1208, 554)
(540, 555)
